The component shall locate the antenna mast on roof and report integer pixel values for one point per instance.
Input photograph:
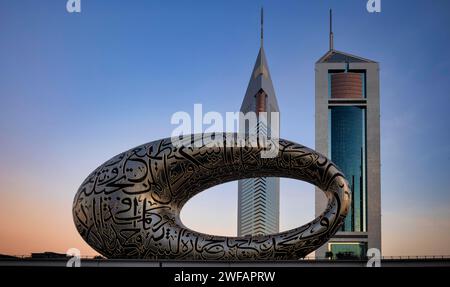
(262, 26)
(331, 31)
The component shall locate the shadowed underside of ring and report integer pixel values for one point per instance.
(129, 207)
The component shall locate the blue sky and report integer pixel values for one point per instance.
(77, 89)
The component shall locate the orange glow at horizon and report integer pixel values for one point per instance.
(35, 224)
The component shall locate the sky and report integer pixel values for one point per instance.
(77, 89)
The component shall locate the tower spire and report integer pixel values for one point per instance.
(262, 26)
(331, 31)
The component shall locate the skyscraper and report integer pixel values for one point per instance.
(348, 132)
(259, 198)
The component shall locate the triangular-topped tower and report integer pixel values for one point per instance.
(259, 198)
(260, 80)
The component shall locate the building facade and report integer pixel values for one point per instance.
(347, 119)
(259, 198)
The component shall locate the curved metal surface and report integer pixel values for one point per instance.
(129, 207)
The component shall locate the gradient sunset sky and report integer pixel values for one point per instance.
(77, 89)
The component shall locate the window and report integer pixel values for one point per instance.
(347, 150)
(348, 250)
(347, 84)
